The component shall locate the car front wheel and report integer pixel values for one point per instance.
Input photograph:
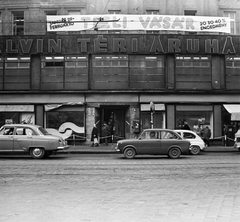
(174, 153)
(37, 153)
(129, 153)
(195, 150)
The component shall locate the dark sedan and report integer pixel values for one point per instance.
(154, 142)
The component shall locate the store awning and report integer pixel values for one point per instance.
(158, 107)
(234, 110)
(49, 107)
(16, 108)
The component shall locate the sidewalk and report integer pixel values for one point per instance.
(102, 148)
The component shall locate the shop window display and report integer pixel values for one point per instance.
(195, 120)
(69, 123)
(157, 120)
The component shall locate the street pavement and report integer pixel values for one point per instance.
(95, 184)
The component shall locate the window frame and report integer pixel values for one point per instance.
(17, 60)
(18, 23)
(191, 60)
(110, 59)
(233, 25)
(144, 60)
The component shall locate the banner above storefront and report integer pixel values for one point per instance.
(138, 22)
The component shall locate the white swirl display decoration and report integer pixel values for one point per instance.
(66, 130)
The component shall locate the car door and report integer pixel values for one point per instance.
(168, 139)
(149, 144)
(6, 139)
(22, 138)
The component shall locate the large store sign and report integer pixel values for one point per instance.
(124, 44)
(138, 22)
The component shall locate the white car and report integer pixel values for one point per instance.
(197, 143)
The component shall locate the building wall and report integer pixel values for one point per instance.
(126, 88)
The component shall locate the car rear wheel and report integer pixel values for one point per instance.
(129, 153)
(195, 150)
(174, 153)
(37, 153)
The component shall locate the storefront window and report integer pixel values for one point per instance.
(196, 117)
(68, 123)
(9, 117)
(158, 117)
(157, 120)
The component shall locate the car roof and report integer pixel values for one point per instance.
(21, 125)
(184, 130)
(159, 129)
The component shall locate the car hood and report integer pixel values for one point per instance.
(53, 136)
(128, 140)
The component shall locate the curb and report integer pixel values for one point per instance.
(110, 150)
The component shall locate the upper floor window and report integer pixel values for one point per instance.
(232, 62)
(18, 22)
(74, 12)
(52, 61)
(110, 61)
(51, 12)
(114, 11)
(146, 62)
(64, 61)
(232, 16)
(17, 62)
(193, 61)
(152, 12)
(76, 61)
(190, 12)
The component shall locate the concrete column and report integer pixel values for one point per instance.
(35, 72)
(218, 72)
(170, 116)
(39, 115)
(217, 121)
(7, 25)
(170, 71)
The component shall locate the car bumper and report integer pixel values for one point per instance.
(236, 146)
(117, 149)
(62, 147)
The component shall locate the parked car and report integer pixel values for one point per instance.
(33, 139)
(197, 143)
(237, 140)
(154, 142)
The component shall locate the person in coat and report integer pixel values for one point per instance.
(206, 134)
(94, 136)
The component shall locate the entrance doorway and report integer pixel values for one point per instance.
(114, 116)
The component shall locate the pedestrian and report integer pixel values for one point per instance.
(186, 126)
(94, 136)
(206, 134)
(105, 132)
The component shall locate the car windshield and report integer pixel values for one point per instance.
(1, 131)
(43, 131)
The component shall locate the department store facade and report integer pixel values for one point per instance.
(70, 82)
